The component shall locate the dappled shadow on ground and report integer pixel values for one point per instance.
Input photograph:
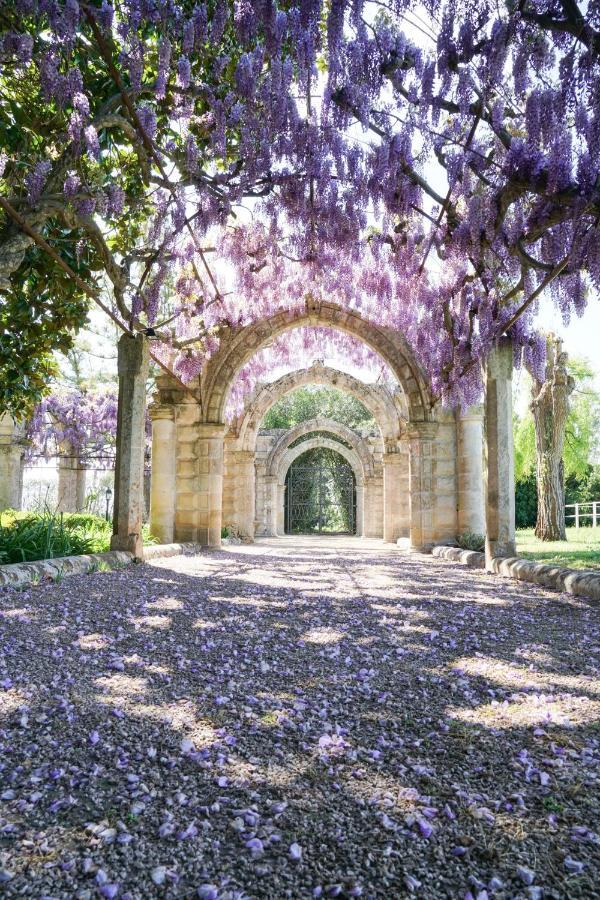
(297, 720)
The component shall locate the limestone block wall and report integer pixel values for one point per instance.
(239, 488)
(373, 506)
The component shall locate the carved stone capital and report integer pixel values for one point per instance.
(158, 410)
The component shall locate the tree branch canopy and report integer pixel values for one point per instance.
(135, 134)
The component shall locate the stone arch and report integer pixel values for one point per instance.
(389, 411)
(239, 345)
(357, 443)
(318, 442)
(286, 459)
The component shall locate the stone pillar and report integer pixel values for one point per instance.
(373, 506)
(133, 360)
(164, 464)
(12, 453)
(260, 501)
(280, 509)
(271, 508)
(499, 454)
(245, 491)
(395, 499)
(209, 451)
(71, 481)
(360, 508)
(421, 438)
(469, 440)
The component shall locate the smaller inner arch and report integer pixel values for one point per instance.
(320, 493)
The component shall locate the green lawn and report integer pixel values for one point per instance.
(581, 550)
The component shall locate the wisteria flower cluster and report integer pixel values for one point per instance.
(434, 168)
(75, 423)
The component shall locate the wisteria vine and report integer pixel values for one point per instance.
(76, 424)
(307, 344)
(434, 167)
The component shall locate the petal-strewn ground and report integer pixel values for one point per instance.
(298, 718)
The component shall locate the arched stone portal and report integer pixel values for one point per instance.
(364, 458)
(389, 410)
(284, 462)
(202, 466)
(239, 345)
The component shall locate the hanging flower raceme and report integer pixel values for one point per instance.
(77, 424)
(299, 349)
(433, 170)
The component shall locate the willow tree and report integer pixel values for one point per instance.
(550, 408)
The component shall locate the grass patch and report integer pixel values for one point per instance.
(581, 550)
(26, 537)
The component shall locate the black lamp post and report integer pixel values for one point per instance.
(108, 495)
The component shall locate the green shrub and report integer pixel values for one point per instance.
(147, 537)
(25, 537)
(40, 537)
(526, 501)
(224, 532)
(470, 541)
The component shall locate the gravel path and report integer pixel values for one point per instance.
(312, 718)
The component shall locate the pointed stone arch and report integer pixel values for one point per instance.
(390, 411)
(357, 443)
(239, 345)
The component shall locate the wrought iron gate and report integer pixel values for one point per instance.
(320, 497)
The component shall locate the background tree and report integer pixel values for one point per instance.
(306, 403)
(580, 451)
(550, 407)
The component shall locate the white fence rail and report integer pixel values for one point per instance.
(583, 513)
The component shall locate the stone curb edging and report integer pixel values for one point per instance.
(578, 582)
(470, 558)
(23, 574)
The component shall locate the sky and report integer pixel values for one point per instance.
(581, 337)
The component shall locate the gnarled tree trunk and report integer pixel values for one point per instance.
(550, 407)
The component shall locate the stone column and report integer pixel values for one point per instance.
(12, 453)
(271, 497)
(71, 481)
(421, 438)
(361, 501)
(260, 500)
(209, 450)
(395, 499)
(373, 506)
(133, 360)
(469, 440)
(499, 454)
(280, 509)
(245, 491)
(164, 465)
